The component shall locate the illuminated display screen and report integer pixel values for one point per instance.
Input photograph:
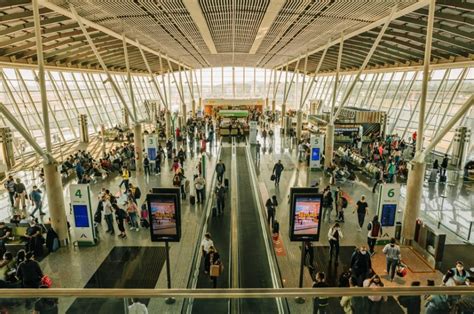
(306, 213)
(81, 218)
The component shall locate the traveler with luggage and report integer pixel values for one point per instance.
(120, 217)
(393, 256)
(220, 197)
(334, 236)
(200, 186)
(220, 170)
(277, 170)
(206, 244)
(271, 205)
(213, 264)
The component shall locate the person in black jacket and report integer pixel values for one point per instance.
(361, 265)
(411, 302)
(444, 165)
(29, 272)
(277, 170)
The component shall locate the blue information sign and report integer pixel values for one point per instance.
(388, 215)
(151, 153)
(81, 217)
(315, 153)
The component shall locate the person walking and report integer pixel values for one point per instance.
(375, 231)
(36, 201)
(220, 170)
(391, 169)
(320, 304)
(10, 187)
(379, 180)
(29, 272)
(361, 264)
(108, 214)
(125, 178)
(200, 186)
(271, 205)
(362, 211)
(158, 163)
(335, 236)
(327, 202)
(277, 170)
(393, 257)
(220, 197)
(206, 243)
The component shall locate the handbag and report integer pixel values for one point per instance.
(46, 281)
(215, 270)
(273, 177)
(401, 270)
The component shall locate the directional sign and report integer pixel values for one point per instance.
(387, 208)
(82, 214)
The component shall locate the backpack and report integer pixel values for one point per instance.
(344, 202)
(375, 229)
(138, 193)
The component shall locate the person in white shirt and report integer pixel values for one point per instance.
(137, 308)
(108, 214)
(334, 236)
(393, 255)
(206, 243)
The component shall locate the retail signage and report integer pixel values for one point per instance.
(82, 214)
(387, 208)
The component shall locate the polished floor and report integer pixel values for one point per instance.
(87, 262)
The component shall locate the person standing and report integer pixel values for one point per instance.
(411, 302)
(277, 170)
(334, 236)
(391, 169)
(444, 165)
(10, 187)
(132, 211)
(393, 257)
(308, 250)
(200, 185)
(258, 147)
(220, 197)
(5, 233)
(327, 202)
(20, 196)
(220, 170)
(29, 272)
(271, 206)
(361, 264)
(375, 231)
(362, 211)
(158, 162)
(206, 243)
(120, 216)
(146, 165)
(212, 258)
(320, 304)
(108, 214)
(36, 201)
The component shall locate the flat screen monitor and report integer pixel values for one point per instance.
(164, 215)
(305, 224)
(81, 217)
(387, 218)
(315, 153)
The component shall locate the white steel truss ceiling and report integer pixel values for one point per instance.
(294, 28)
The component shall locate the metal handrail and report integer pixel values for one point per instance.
(233, 293)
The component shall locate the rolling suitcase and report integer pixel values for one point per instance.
(226, 184)
(192, 199)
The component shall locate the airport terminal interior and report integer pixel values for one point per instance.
(233, 156)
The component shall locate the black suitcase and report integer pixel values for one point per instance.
(442, 178)
(226, 183)
(192, 199)
(214, 211)
(144, 223)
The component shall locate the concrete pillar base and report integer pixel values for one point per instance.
(328, 145)
(54, 191)
(299, 124)
(138, 147)
(416, 176)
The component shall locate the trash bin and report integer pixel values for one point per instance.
(398, 230)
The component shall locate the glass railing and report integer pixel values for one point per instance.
(440, 299)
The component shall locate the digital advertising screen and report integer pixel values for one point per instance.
(387, 218)
(164, 215)
(305, 215)
(81, 217)
(315, 153)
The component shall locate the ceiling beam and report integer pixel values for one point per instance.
(69, 14)
(21, 15)
(9, 3)
(28, 25)
(380, 22)
(194, 9)
(456, 4)
(271, 13)
(437, 26)
(457, 18)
